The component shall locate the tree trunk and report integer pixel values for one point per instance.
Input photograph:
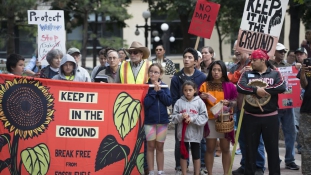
(220, 41)
(294, 27)
(85, 38)
(184, 28)
(10, 31)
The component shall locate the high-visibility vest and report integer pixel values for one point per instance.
(127, 76)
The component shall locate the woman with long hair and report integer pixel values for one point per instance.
(217, 88)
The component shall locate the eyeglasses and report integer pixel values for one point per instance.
(135, 52)
(155, 73)
(158, 49)
(281, 51)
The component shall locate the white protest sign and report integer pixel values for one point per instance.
(51, 31)
(261, 25)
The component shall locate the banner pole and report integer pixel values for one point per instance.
(237, 136)
(197, 43)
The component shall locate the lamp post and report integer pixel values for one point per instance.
(146, 15)
(164, 37)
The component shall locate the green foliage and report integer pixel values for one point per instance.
(172, 8)
(75, 44)
(114, 42)
(12, 11)
(17, 8)
(77, 10)
(302, 8)
(229, 17)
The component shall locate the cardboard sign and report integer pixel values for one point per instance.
(62, 127)
(261, 25)
(51, 31)
(291, 97)
(204, 18)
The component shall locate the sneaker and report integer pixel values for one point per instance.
(239, 171)
(203, 171)
(292, 166)
(259, 172)
(238, 152)
(178, 172)
(162, 172)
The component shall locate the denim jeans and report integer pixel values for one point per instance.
(297, 117)
(203, 150)
(260, 159)
(287, 120)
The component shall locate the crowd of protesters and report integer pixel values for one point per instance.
(194, 90)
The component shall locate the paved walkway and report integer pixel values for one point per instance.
(169, 163)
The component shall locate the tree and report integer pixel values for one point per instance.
(77, 13)
(11, 10)
(228, 21)
(175, 9)
(296, 13)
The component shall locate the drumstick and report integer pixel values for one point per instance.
(259, 105)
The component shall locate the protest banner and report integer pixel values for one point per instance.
(261, 25)
(51, 31)
(291, 97)
(70, 128)
(203, 19)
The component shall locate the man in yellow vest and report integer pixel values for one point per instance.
(135, 71)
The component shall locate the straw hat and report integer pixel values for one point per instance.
(138, 46)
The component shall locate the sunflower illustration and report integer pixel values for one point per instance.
(26, 107)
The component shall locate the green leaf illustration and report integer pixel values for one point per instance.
(109, 152)
(126, 112)
(140, 163)
(36, 160)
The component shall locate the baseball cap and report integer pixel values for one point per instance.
(73, 50)
(199, 54)
(280, 46)
(302, 50)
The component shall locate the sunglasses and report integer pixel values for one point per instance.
(135, 52)
(158, 49)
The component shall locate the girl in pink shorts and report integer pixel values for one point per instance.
(156, 117)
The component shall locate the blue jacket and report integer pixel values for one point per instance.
(179, 78)
(156, 104)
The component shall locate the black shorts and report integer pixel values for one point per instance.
(195, 150)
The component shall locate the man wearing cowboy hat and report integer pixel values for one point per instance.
(135, 71)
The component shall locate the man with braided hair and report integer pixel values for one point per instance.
(261, 122)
